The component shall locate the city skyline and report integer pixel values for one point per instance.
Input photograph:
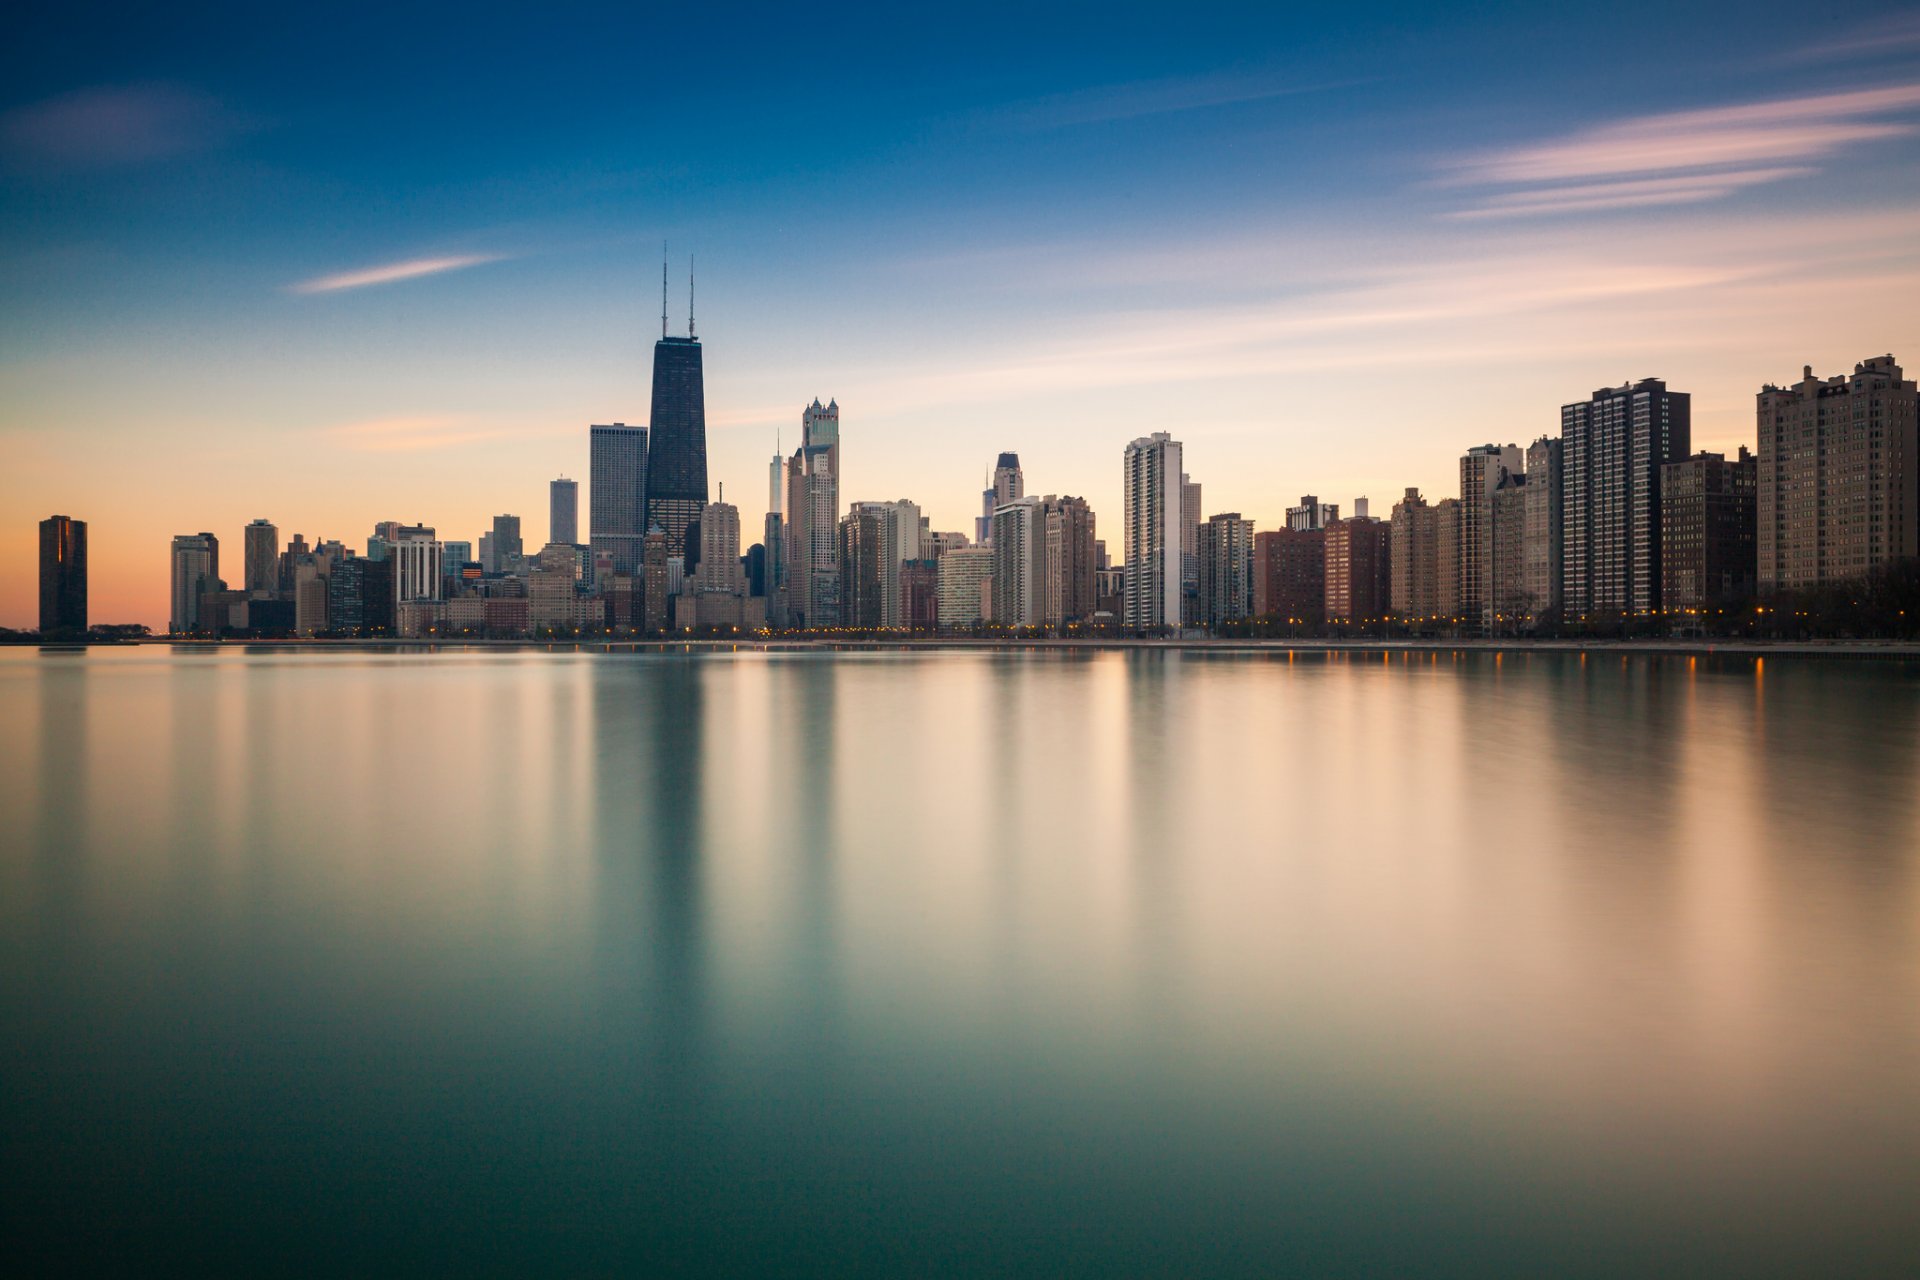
(1326, 272)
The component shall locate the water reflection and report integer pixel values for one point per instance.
(1139, 962)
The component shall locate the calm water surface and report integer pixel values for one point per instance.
(940, 963)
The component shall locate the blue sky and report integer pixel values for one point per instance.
(334, 267)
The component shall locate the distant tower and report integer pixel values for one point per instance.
(262, 558)
(563, 511)
(813, 520)
(1008, 484)
(193, 570)
(676, 481)
(63, 577)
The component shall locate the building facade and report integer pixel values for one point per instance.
(1613, 447)
(1708, 532)
(1071, 562)
(416, 557)
(1226, 569)
(616, 495)
(813, 520)
(1007, 484)
(63, 577)
(1483, 469)
(1414, 593)
(1838, 480)
(677, 441)
(1019, 546)
(1312, 514)
(193, 571)
(1151, 516)
(1290, 575)
(1359, 569)
(261, 545)
(1544, 536)
(963, 581)
(563, 510)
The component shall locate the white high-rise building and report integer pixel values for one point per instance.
(416, 556)
(1020, 562)
(1151, 533)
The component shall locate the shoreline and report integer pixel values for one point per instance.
(1898, 649)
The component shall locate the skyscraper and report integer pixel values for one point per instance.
(563, 511)
(1009, 482)
(262, 547)
(1544, 539)
(774, 571)
(676, 479)
(1509, 602)
(1191, 611)
(866, 547)
(1613, 447)
(193, 571)
(1020, 562)
(1359, 569)
(617, 493)
(63, 577)
(1414, 594)
(813, 519)
(653, 582)
(507, 547)
(1482, 469)
(1071, 561)
(1151, 531)
(1226, 569)
(1839, 475)
(416, 555)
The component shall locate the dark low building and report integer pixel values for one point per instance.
(360, 598)
(920, 594)
(1290, 574)
(63, 578)
(1708, 531)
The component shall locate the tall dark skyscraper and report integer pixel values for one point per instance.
(1614, 448)
(63, 577)
(677, 446)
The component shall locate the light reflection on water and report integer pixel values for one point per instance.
(1057, 962)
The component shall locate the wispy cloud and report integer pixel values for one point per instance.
(1389, 307)
(1682, 156)
(1882, 37)
(409, 434)
(1687, 189)
(411, 269)
(114, 125)
(1151, 98)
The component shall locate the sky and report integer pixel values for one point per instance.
(331, 266)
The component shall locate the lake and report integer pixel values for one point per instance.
(990, 962)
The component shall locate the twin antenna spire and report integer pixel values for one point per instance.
(663, 292)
